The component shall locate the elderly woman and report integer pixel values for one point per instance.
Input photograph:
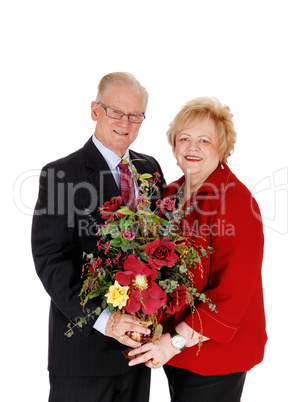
(227, 218)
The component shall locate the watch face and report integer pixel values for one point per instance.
(178, 341)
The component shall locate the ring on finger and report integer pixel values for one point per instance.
(121, 338)
(154, 363)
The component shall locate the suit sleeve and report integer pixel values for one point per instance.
(55, 249)
(235, 268)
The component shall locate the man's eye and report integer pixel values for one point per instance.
(135, 117)
(116, 112)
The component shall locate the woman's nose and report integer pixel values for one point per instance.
(194, 145)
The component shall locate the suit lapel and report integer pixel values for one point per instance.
(145, 164)
(140, 163)
(99, 174)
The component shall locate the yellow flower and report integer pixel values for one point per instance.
(117, 295)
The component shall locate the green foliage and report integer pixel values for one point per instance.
(79, 321)
(126, 232)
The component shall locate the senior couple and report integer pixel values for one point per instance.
(89, 366)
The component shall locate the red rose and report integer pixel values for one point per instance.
(176, 300)
(166, 203)
(127, 234)
(110, 207)
(169, 204)
(161, 253)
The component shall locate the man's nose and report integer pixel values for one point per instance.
(124, 120)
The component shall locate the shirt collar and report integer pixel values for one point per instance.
(111, 158)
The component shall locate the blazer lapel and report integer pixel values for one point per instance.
(142, 165)
(99, 174)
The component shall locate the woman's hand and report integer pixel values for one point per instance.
(154, 355)
(118, 324)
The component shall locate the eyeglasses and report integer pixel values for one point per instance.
(118, 115)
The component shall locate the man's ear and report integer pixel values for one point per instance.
(94, 110)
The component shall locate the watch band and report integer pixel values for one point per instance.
(173, 333)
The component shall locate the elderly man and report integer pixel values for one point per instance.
(89, 366)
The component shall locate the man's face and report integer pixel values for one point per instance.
(117, 135)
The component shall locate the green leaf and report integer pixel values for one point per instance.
(125, 211)
(134, 168)
(145, 176)
(144, 256)
(162, 221)
(116, 242)
(97, 311)
(88, 256)
(125, 247)
(125, 223)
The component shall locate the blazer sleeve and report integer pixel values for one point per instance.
(235, 269)
(55, 247)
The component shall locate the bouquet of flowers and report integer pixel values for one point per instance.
(142, 263)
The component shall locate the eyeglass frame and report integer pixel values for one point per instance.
(122, 114)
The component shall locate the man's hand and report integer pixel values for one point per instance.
(119, 324)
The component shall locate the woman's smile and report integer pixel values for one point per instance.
(197, 150)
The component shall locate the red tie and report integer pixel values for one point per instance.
(127, 186)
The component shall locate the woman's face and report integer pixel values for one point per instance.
(196, 150)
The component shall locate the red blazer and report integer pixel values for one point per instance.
(228, 219)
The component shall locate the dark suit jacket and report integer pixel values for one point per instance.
(62, 229)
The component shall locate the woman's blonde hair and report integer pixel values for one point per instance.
(123, 78)
(199, 108)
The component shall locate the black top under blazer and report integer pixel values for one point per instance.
(64, 226)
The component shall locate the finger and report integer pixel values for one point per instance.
(153, 364)
(135, 327)
(141, 350)
(142, 354)
(125, 340)
(130, 323)
(144, 358)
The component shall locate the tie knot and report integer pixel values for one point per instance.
(123, 166)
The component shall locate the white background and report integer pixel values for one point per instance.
(246, 53)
